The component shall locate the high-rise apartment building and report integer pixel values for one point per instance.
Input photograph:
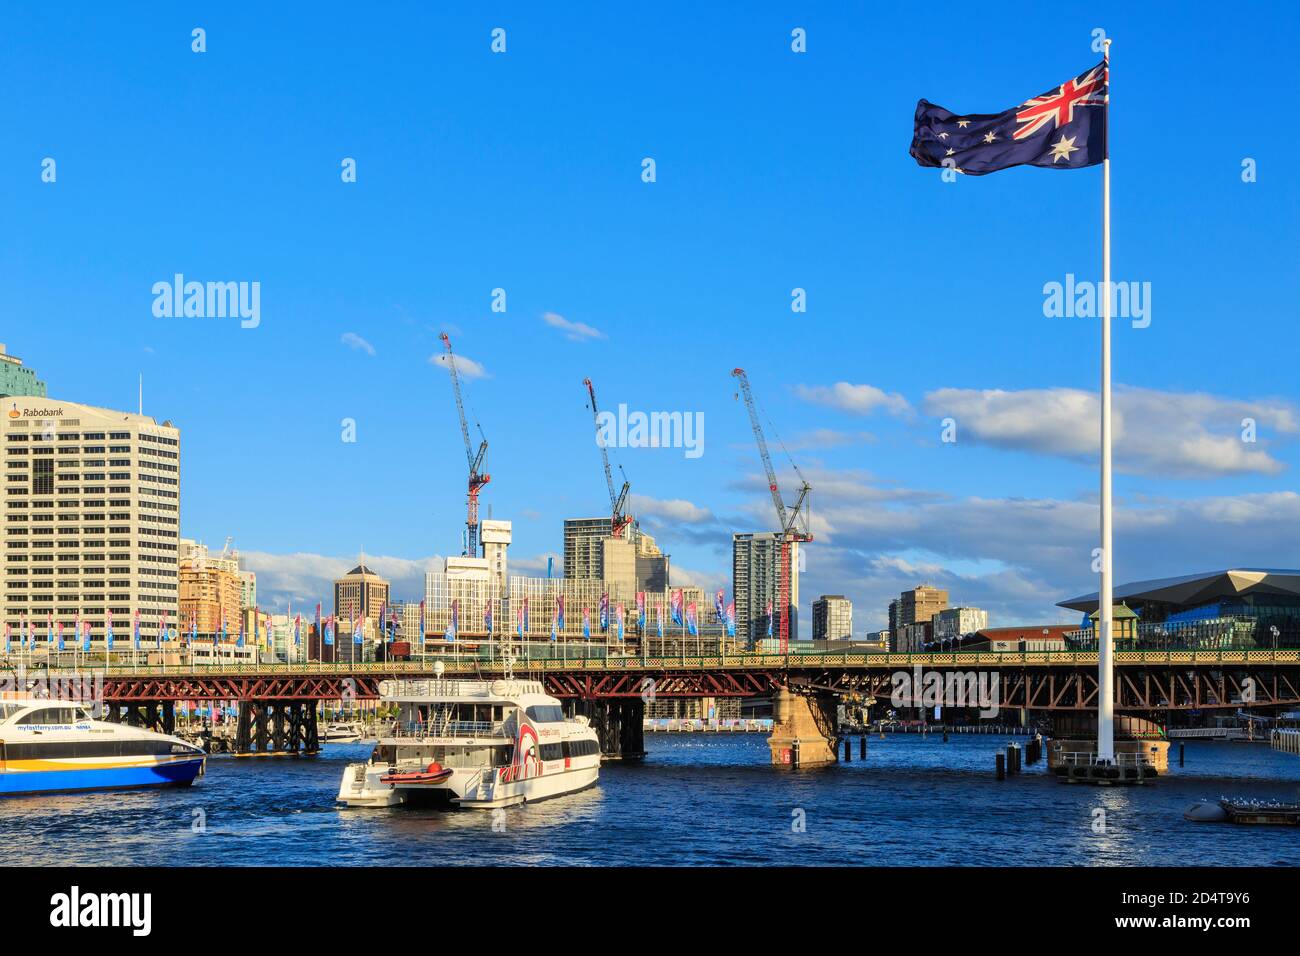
(755, 561)
(632, 562)
(210, 589)
(832, 618)
(91, 518)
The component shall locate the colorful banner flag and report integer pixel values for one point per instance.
(526, 627)
(659, 620)
(604, 611)
(586, 623)
(677, 607)
(356, 626)
(297, 630)
(769, 618)
(422, 624)
(640, 610)
(718, 606)
(59, 631)
(450, 633)
(731, 618)
(329, 631)
(621, 616)
(487, 617)
(49, 629)
(692, 625)
(559, 612)
(85, 636)
(135, 630)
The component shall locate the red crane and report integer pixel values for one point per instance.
(477, 477)
(787, 520)
(619, 519)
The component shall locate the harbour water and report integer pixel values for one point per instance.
(697, 800)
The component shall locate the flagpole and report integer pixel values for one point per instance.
(1105, 650)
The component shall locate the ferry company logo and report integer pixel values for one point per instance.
(75, 909)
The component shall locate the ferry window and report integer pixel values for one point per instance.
(546, 713)
(8, 710)
(551, 752)
(48, 715)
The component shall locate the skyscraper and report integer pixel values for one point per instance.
(92, 517)
(755, 560)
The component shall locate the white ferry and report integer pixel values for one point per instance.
(473, 743)
(51, 746)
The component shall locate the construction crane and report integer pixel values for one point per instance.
(619, 519)
(787, 519)
(477, 477)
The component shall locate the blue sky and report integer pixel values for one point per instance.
(775, 170)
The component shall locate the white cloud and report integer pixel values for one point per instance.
(354, 341)
(1185, 435)
(305, 578)
(675, 510)
(466, 367)
(573, 331)
(855, 399)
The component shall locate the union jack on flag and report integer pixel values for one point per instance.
(1064, 128)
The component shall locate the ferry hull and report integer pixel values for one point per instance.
(362, 787)
(175, 773)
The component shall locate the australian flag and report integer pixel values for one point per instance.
(1065, 128)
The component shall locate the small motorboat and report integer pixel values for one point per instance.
(431, 775)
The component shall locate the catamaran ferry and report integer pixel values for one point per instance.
(48, 746)
(473, 743)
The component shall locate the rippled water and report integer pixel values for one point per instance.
(696, 800)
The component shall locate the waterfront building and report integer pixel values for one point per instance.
(832, 618)
(755, 564)
(1020, 638)
(91, 518)
(16, 379)
(891, 634)
(470, 583)
(1235, 608)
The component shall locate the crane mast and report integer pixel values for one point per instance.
(787, 518)
(475, 460)
(619, 519)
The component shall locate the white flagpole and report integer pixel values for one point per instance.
(1105, 597)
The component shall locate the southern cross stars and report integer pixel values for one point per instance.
(963, 123)
(1063, 147)
(989, 137)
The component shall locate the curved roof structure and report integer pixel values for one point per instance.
(1193, 589)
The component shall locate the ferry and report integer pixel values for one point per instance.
(473, 743)
(52, 746)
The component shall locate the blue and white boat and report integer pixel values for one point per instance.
(53, 746)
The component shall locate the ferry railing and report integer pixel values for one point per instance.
(453, 728)
(1087, 758)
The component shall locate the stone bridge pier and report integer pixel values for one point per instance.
(804, 732)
